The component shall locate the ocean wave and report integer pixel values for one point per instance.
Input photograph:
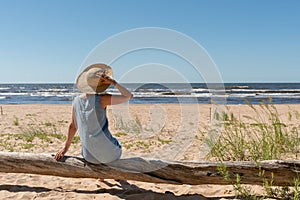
(150, 90)
(200, 90)
(14, 93)
(282, 91)
(4, 88)
(50, 94)
(283, 95)
(53, 90)
(198, 95)
(167, 93)
(278, 91)
(176, 93)
(247, 90)
(238, 87)
(242, 95)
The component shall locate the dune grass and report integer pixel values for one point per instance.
(132, 126)
(262, 136)
(16, 121)
(30, 136)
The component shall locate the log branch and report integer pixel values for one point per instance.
(155, 171)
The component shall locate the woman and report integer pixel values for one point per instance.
(89, 115)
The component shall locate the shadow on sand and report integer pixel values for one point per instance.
(125, 191)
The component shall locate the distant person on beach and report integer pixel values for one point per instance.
(89, 115)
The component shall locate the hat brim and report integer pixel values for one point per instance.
(83, 85)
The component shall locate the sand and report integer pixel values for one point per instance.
(143, 130)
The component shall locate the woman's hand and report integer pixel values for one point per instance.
(71, 132)
(104, 79)
(60, 154)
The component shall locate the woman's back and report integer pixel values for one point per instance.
(98, 145)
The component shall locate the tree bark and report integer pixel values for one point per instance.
(284, 173)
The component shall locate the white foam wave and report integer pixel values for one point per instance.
(54, 90)
(247, 90)
(200, 90)
(51, 94)
(204, 95)
(242, 95)
(282, 95)
(14, 93)
(239, 86)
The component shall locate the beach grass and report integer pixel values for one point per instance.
(263, 136)
(128, 126)
(76, 139)
(5, 144)
(120, 134)
(164, 141)
(16, 121)
(30, 136)
(271, 192)
(135, 136)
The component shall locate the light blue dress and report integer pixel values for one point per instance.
(98, 145)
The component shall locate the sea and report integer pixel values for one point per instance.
(160, 93)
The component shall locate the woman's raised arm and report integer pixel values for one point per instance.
(106, 100)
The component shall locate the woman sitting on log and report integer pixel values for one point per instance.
(89, 115)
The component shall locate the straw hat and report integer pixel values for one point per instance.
(88, 82)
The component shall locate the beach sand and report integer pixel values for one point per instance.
(142, 130)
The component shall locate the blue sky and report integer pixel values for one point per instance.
(250, 41)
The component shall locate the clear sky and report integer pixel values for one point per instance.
(249, 40)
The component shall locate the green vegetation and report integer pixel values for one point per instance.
(245, 192)
(30, 136)
(127, 145)
(49, 124)
(145, 145)
(120, 134)
(5, 144)
(260, 137)
(16, 121)
(63, 121)
(132, 126)
(58, 136)
(142, 144)
(30, 133)
(76, 139)
(31, 115)
(263, 136)
(164, 141)
(27, 145)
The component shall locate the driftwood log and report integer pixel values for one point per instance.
(155, 171)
